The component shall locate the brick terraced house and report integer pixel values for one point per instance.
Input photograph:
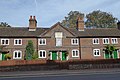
(58, 42)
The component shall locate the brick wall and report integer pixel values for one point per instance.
(36, 65)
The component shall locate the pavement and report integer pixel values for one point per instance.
(58, 72)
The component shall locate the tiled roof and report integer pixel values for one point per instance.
(20, 32)
(24, 32)
(100, 32)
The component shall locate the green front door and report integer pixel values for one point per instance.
(107, 56)
(54, 55)
(3, 56)
(0, 56)
(115, 55)
(63, 55)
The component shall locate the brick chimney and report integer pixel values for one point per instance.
(32, 23)
(80, 24)
(118, 25)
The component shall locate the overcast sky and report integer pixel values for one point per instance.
(48, 12)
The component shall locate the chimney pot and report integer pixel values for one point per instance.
(34, 17)
(30, 17)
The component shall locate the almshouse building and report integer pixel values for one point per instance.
(60, 43)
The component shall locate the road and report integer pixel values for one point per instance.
(63, 75)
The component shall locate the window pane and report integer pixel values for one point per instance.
(40, 41)
(15, 41)
(19, 41)
(43, 53)
(76, 41)
(40, 53)
(19, 54)
(58, 41)
(73, 41)
(15, 54)
(43, 41)
(3, 42)
(76, 53)
(6, 41)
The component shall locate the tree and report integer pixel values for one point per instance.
(4, 24)
(99, 19)
(71, 19)
(29, 50)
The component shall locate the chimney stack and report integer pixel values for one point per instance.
(80, 23)
(32, 23)
(118, 25)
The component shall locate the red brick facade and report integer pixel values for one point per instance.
(76, 43)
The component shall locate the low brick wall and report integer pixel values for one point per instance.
(35, 65)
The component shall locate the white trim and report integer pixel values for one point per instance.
(17, 54)
(17, 41)
(60, 55)
(42, 53)
(57, 55)
(75, 50)
(95, 39)
(94, 50)
(50, 55)
(58, 41)
(75, 40)
(5, 41)
(0, 56)
(118, 54)
(113, 42)
(58, 34)
(105, 40)
(42, 40)
(32, 29)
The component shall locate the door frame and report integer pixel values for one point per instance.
(0, 56)
(51, 55)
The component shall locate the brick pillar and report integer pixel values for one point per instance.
(80, 24)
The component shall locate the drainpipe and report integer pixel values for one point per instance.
(79, 47)
(37, 45)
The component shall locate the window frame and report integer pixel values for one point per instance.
(42, 54)
(95, 40)
(17, 41)
(75, 56)
(74, 40)
(42, 40)
(58, 44)
(5, 41)
(17, 54)
(113, 41)
(105, 40)
(95, 50)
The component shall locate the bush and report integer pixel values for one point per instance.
(35, 56)
(8, 56)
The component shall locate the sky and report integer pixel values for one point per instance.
(48, 12)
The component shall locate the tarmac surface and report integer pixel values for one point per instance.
(58, 72)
